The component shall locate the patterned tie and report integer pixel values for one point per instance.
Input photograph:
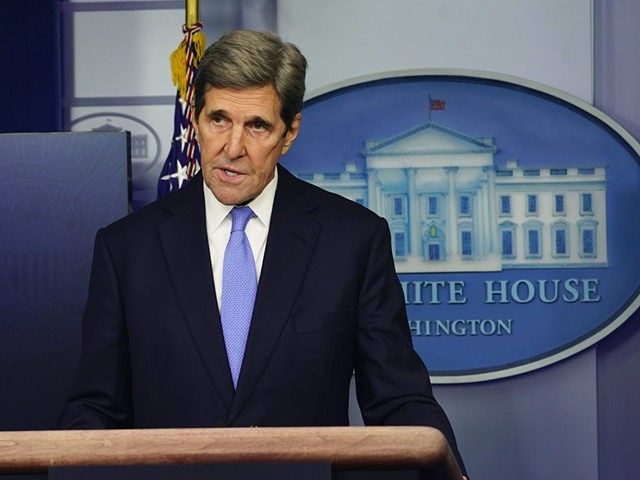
(239, 287)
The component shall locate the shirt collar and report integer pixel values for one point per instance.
(262, 205)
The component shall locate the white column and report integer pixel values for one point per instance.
(379, 195)
(492, 220)
(482, 221)
(452, 214)
(371, 187)
(414, 215)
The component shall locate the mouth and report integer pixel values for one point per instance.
(230, 173)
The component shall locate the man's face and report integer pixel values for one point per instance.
(241, 137)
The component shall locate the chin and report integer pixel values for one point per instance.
(231, 199)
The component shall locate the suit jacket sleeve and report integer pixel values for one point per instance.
(392, 382)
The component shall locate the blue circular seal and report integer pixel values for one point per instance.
(510, 207)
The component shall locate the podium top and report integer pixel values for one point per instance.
(343, 447)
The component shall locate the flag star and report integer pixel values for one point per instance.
(181, 174)
(182, 137)
(183, 105)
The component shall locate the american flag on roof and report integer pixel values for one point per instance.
(436, 104)
(183, 161)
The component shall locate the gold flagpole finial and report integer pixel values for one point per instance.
(191, 12)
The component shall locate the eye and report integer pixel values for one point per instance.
(218, 120)
(259, 126)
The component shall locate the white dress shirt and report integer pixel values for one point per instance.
(218, 221)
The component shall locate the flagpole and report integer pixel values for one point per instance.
(191, 12)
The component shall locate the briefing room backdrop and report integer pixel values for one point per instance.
(104, 65)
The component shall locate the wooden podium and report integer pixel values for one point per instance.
(392, 452)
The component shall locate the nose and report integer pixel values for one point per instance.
(235, 143)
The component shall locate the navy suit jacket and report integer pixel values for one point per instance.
(328, 303)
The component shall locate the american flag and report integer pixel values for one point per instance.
(436, 104)
(183, 161)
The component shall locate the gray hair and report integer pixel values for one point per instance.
(246, 58)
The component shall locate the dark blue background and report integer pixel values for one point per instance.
(30, 86)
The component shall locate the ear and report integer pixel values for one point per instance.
(194, 122)
(292, 133)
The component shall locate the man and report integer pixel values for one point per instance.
(328, 300)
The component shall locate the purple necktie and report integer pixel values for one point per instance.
(239, 287)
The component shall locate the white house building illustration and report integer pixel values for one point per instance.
(450, 208)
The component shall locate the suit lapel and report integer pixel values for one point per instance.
(184, 240)
(290, 244)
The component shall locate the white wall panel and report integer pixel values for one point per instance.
(547, 41)
(124, 52)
